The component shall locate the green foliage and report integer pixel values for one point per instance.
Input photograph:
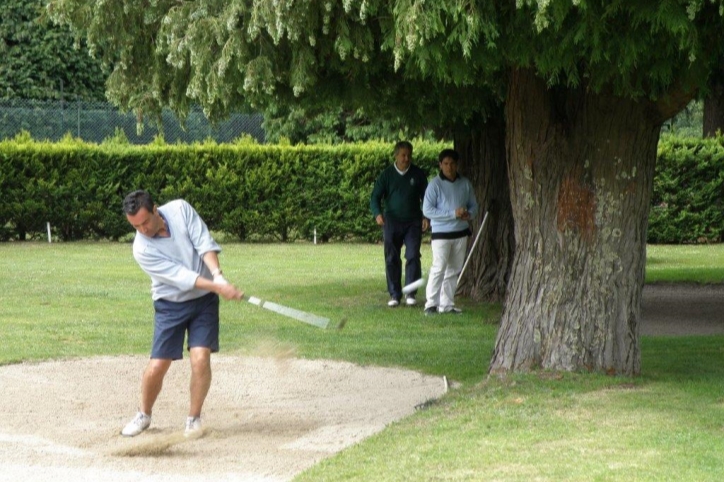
(434, 64)
(252, 191)
(333, 125)
(687, 123)
(633, 49)
(245, 140)
(40, 60)
(284, 192)
(23, 137)
(241, 54)
(119, 138)
(688, 199)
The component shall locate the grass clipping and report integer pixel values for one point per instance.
(154, 445)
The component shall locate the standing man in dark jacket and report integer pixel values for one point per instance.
(401, 186)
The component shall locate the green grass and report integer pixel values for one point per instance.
(80, 299)
(70, 300)
(685, 264)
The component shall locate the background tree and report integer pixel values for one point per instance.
(40, 60)
(713, 122)
(586, 86)
(482, 152)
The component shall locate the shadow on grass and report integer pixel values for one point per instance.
(690, 358)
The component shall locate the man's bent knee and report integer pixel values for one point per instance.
(200, 358)
(158, 367)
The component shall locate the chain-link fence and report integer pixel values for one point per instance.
(96, 121)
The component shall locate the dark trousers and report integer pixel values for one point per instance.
(395, 235)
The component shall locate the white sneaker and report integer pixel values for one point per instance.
(139, 423)
(393, 303)
(193, 427)
(410, 301)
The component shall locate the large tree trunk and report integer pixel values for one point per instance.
(482, 152)
(714, 110)
(581, 168)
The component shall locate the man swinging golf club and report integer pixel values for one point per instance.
(174, 247)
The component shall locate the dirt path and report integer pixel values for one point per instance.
(266, 418)
(679, 310)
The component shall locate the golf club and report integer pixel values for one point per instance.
(303, 316)
(407, 289)
(472, 248)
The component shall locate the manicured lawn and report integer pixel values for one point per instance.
(685, 264)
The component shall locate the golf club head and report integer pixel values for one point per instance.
(413, 286)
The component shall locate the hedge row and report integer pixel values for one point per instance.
(688, 199)
(285, 193)
(251, 191)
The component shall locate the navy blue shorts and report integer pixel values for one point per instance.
(200, 317)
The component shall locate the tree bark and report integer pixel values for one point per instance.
(714, 110)
(482, 160)
(581, 169)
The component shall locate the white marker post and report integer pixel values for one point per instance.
(49, 238)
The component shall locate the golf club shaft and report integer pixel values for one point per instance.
(472, 248)
(298, 315)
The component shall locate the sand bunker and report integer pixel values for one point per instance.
(266, 418)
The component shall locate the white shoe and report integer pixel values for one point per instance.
(393, 303)
(193, 427)
(410, 301)
(139, 423)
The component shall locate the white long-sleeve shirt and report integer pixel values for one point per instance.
(174, 263)
(443, 197)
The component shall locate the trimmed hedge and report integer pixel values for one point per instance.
(688, 199)
(254, 192)
(284, 193)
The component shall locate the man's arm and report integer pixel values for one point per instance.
(211, 260)
(425, 220)
(433, 207)
(376, 200)
(219, 285)
(223, 289)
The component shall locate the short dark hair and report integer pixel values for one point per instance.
(451, 153)
(402, 145)
(136, 200)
